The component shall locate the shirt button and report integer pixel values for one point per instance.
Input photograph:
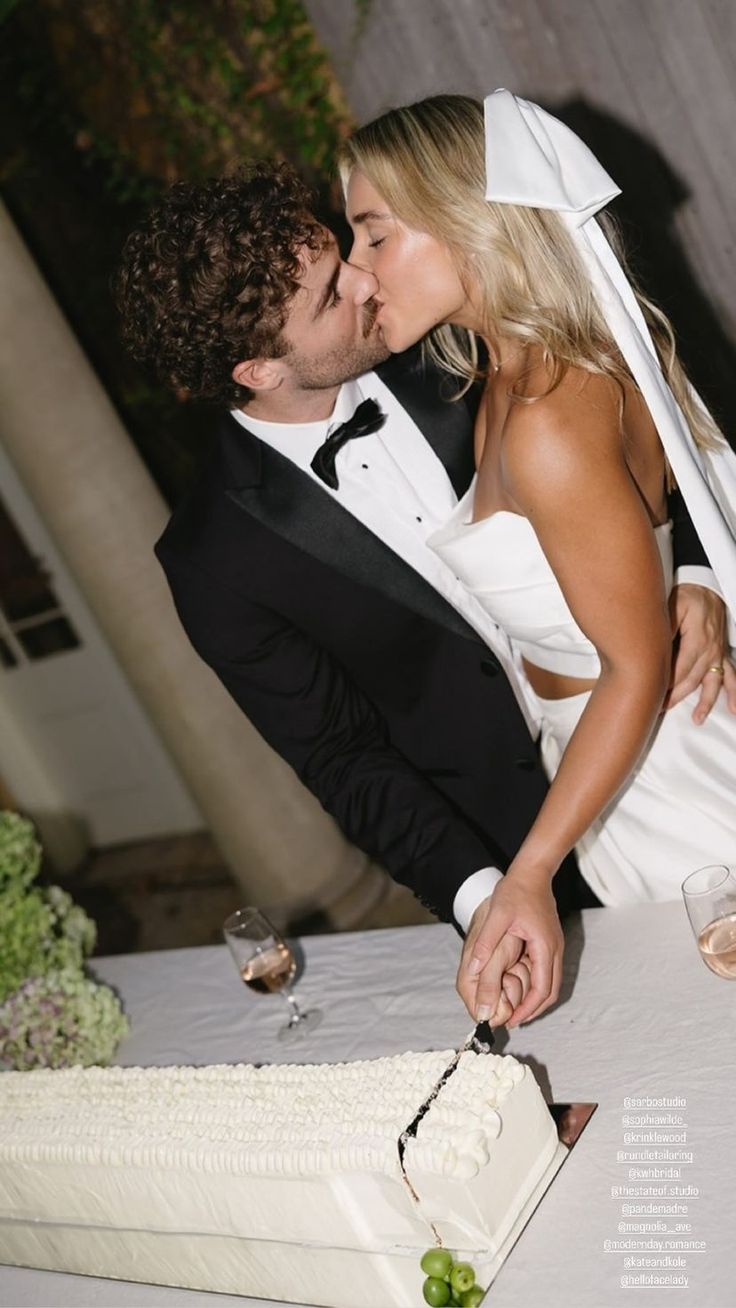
(418, 518)
(364, 465)
(490, 666)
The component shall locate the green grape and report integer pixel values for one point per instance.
(437, 1263)
(462, 1277)
(436, 1292)
(472, 1298)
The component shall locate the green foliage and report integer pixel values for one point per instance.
(187, 90)
(60, 1020)
(6, 8)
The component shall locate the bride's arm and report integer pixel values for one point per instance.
(564, 468)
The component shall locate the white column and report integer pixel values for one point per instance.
(103, 510)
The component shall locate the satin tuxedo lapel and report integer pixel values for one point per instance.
(445, 425)
(268, 486)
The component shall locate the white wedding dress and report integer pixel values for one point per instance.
(677, 811)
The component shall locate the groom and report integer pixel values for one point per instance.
(300, 570)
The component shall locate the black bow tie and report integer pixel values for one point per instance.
(368, 417)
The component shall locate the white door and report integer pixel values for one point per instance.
(73, 736)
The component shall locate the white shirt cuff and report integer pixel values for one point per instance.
(692, 574)
(472, 892)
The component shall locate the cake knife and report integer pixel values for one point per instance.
(480, 1041)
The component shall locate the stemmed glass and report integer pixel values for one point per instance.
(267, 966)
(710, 900)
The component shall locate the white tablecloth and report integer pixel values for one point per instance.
(640, 1016)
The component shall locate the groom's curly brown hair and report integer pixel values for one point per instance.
(206, 281)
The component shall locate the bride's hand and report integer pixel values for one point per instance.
(519, 918)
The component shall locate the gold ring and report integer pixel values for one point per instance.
(717, 667)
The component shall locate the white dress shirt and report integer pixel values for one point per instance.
(393, 482)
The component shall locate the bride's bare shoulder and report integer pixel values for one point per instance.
(582, 405)
(559, 435)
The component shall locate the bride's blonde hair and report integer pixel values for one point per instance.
(427, 161)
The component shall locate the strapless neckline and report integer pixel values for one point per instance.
(457, 521)
(504, 567)
(454, 524)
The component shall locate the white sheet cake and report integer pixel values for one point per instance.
(280, 1182)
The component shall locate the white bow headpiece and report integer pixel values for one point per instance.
(533, 159)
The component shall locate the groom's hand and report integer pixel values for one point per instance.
(699, 619)
(511, 964)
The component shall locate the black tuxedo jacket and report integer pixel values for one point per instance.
(385, 702)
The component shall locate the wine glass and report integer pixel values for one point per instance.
(710, 900)
(267, 966)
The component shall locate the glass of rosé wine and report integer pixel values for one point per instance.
(710, 900)
(267, 966)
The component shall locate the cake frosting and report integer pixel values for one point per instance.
(277, 1182)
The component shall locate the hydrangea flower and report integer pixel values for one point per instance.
(20, 852)
(41, 931)
(51, 1014)
(60, 1020)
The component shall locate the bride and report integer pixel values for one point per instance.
(478, 223)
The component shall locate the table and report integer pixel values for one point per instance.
(639, 1015)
